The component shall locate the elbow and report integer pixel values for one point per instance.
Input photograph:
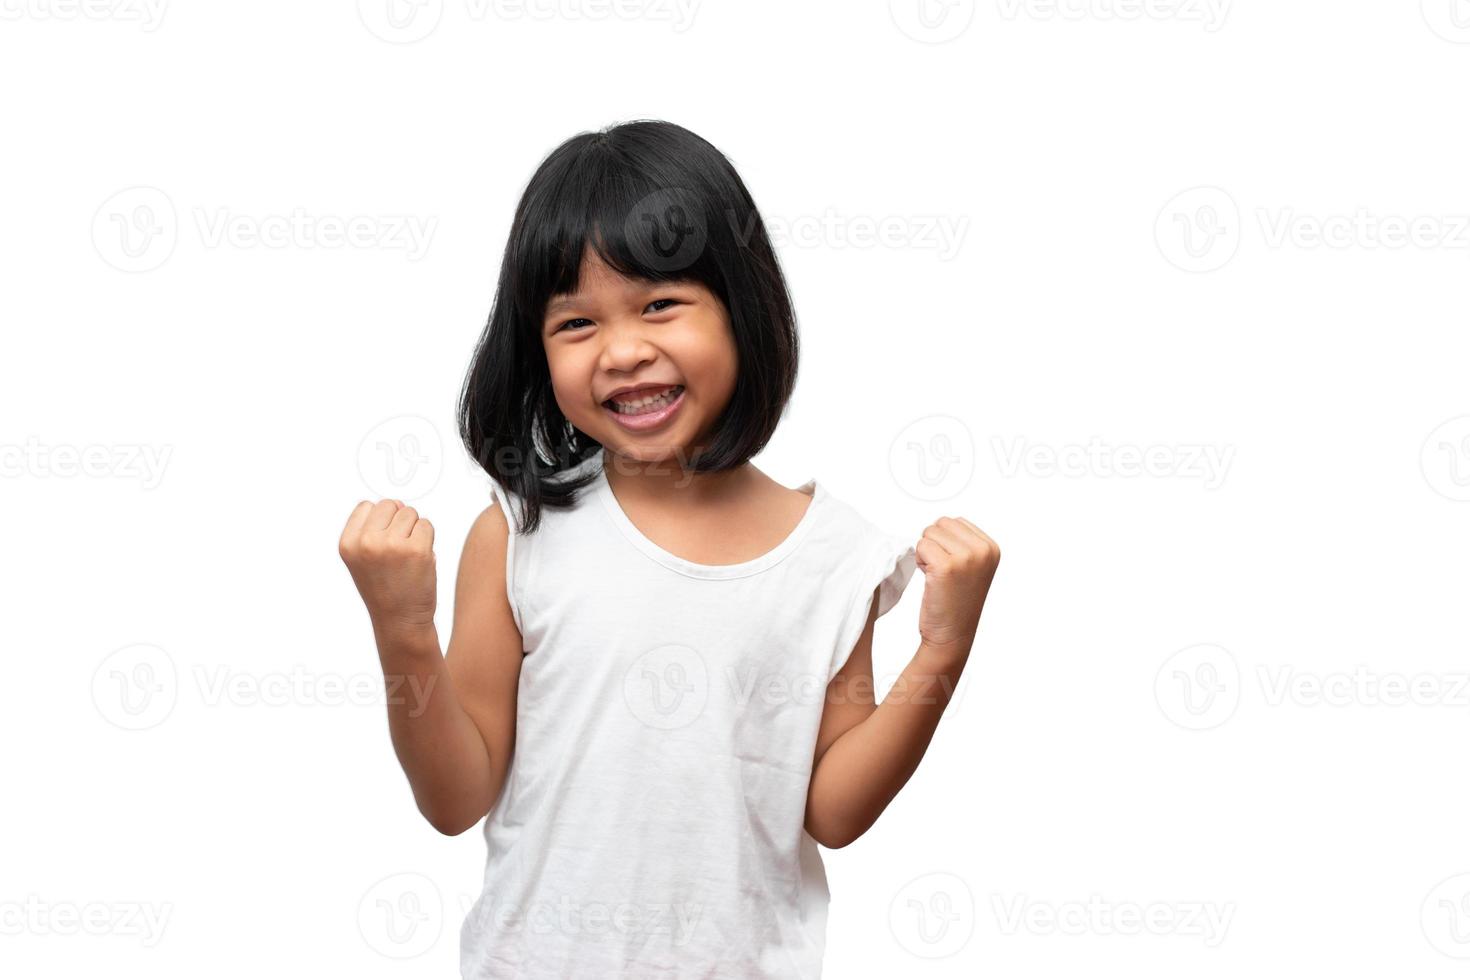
(453, 817)
(832, 837)
(451, 828)
(835, 842)
(448, 823)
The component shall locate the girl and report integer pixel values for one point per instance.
(658, 684)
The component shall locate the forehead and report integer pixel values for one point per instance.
(600, 282)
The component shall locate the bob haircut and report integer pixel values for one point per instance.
(657, 203)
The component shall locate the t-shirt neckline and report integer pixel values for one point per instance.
(668, 559)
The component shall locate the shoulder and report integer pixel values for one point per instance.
(489, 532)
(791, 502)
(842, 519)
(867, 548)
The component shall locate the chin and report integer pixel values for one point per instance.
(648, 452)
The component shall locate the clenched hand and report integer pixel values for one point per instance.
(389, 549)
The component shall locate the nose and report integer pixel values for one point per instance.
(626, 345)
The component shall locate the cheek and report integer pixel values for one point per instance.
(568, 383)
(711, 360)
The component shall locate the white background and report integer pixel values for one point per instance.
(1224, 699)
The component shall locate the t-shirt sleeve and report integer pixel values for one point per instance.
(889, 564)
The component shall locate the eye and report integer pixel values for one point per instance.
(570, 322)
(661, 309)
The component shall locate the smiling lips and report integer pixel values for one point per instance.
(644, 412)
(645, 400)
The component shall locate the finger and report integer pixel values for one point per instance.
(402, 522)
(971, 525)
(381, 513)
(356, 519)
(928, 553)
(948, 538)
(423, 533)
(983, 541)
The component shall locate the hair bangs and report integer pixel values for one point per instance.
(638, 223)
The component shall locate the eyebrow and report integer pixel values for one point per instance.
(558, 304)
(565, 303)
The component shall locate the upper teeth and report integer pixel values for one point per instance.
(665, 395)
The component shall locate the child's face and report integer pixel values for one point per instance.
(616, 332)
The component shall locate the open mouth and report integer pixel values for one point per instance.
(642, 403)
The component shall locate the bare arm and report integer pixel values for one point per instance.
(451, 718)
(866, 753)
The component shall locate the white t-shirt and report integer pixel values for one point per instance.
(651, 825)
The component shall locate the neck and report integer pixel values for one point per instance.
(671, 480)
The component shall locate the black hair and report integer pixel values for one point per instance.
(655, 202)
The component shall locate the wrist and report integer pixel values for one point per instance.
(948, 653)
(406, 638)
